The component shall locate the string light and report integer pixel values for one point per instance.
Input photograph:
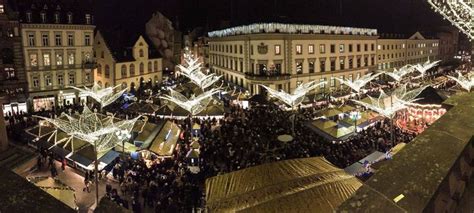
(297, 97)
(458, 12)
(292, 29)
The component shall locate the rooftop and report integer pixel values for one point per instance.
(418, 170)
(291, 29)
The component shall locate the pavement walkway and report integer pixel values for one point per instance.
(74, 179)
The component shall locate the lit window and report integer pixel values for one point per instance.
(70, 58)
(311, 67)
(341, 48)
(47, 80)
(350, 78)
(299, 68)
(46, 59)
(277, 50)
(322, 48)
(310, 49)
(59, 59)
(87, 78)
(9, 72)
(2, 8)
(33, 60)
(321, 80)
(299, 49)
(379, 47)
(333, 81)
(341, 64)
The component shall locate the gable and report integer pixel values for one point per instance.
(417, 36)
(141, 42)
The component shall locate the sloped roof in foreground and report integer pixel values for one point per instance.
(19, 195)
(418, 170)
(298, 185)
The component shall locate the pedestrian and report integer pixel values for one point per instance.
(63, 164)
(86, 183)
(53, 171)
(39, 162)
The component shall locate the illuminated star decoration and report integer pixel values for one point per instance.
(297, 96)
(359, 83)
(93, 128)
(194, 105)
(466, 83)
(192, 70)
(422, 68)
(104, 96)
(401, 99)
(398, 74)
(458, 12)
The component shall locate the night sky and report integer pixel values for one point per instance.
(402, 16)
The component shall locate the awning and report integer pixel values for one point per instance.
(298, 185)
(374, 157)
(80, 160)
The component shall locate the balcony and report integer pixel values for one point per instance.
(89, 65)
(267, 76)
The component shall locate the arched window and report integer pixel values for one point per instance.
(155, 66)
(149, 66)
(99, 69)
(142, 68)
(132, 69)
(107, 71)
(123, 71)
(141, 53)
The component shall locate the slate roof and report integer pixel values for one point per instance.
(78, 8)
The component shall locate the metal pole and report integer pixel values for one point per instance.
(96, 177)
(391, 121)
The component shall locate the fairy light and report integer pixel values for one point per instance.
(291, 29)
(458, 12)
(297, 97)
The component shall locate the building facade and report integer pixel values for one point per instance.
(395, 51)
(130, 66)
(57, 47)
(283, 56)
(13, 84)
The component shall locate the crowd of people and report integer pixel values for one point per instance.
(243, 138)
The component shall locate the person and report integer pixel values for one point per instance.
(39, 163)
(54, 172)
(63, 164)
(86, 183)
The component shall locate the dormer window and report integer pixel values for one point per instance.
(69, 18)
(88, 18)
(43, 17)
(2, 8)
(28, 16)
(56, 18)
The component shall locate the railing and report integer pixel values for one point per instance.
(272, 77)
